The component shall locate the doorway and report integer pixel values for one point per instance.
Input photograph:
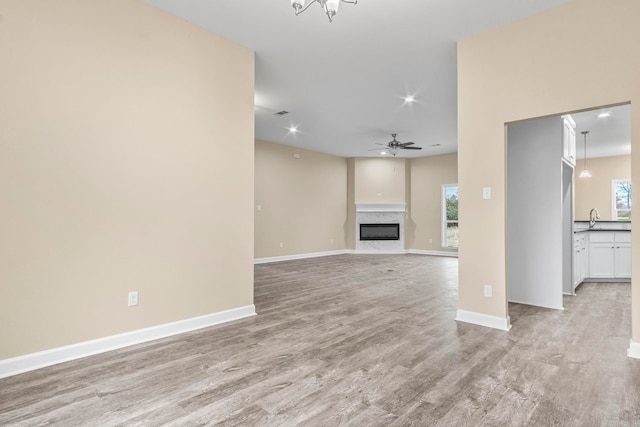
(548, 204)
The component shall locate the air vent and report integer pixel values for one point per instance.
(281, 113)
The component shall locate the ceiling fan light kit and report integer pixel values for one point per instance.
(330, 6)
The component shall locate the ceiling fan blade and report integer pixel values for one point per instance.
(411, 148)
(402, 144)
(376, 149)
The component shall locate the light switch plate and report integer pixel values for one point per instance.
(486, 193)
(132, 298)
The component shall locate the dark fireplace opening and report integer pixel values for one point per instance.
(379, 231)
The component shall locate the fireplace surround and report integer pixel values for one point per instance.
(390, 214)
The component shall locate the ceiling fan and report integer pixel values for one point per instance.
(395, 145)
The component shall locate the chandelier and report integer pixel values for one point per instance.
(330, 6)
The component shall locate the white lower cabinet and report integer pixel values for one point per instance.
(601, 260)
(622, 259)
(609, 255)
(584, 259)
(580, 259)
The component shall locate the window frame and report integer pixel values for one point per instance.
(614, 202)
(443, 212)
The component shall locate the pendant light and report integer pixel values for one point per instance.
(585, 173)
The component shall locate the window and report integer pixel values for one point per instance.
(621, 200)
(450, 216)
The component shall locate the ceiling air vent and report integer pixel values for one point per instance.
(281, 113)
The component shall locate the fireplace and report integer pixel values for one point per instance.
(379, 231)
(379, 228)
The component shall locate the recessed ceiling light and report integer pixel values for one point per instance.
(293, 129)
(409, 99)
(383, 153)
(605, 114)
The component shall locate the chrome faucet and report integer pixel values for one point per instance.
(593, 216)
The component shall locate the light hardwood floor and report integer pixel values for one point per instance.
(356, 340)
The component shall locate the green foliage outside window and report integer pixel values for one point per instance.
(450, 202)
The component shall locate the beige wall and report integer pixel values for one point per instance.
(595, 192)
(427, 176)
(350, 226)
(577, 56)
(303, 201)
(306, 202)
(380, 180)
(116, 121)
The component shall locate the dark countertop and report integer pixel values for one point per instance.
(604, 222)
(599, 229)
(603, 226)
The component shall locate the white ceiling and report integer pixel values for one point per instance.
(608, 136)
(344, 82)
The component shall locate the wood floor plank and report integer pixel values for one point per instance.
(358, 340)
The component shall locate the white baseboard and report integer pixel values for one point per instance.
(379, 252)
(432, 253)
(633, 350)
(300, 256)
(354, 252)
(502, 323)
(515, 301)
(613, 280)
(30, 362)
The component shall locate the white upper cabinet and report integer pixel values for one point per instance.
(569, 139)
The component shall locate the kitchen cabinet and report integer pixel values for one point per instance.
(622, 255)
(622, 260)
(601, 260)
(569, 140)
(580, 259)
(609, 255)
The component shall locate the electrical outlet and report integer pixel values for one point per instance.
(488, 291)
(430, 240)
(133, 299)
(332, 241)
(259, 207)
(281, 245)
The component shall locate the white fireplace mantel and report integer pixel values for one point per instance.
(381, 207)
